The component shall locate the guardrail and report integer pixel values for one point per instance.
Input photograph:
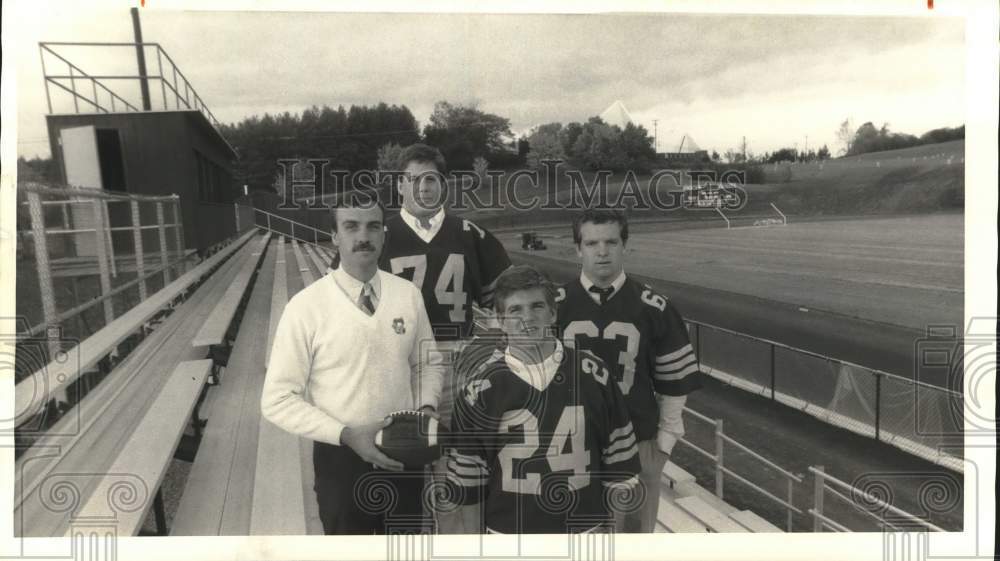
(273, 222)
(821, 522)
(84, 240)
(718, 460)
(189, 99)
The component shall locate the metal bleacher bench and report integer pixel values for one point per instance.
(218, 491)
(316, 259)
(248, 477)
(279, 495)
(104, 459)
(685, 506)
(213, 332)
(148, 450)
(57, 375)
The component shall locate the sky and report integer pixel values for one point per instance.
(775, 80)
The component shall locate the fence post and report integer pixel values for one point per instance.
(44, 279)
(162, 232)
(102, 258)
(179, 233)
(140, 255)
(772, 371)
(106, 217)
(878, 405)
(269, 222)
(236, 212)
(719, 464)
(788, 511)
(697, 344)
(818, 486)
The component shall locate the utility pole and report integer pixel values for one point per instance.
(140, 55)
(744, 148)
(654, 135)
(806, 149)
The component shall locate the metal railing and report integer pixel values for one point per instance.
(174, 83)
(718, 460)
(827, 484)
(915, 416)
(273, 223)
(84, 240)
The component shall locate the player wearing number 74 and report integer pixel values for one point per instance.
(640, 336)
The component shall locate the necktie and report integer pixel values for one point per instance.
(365, 300)
(605, 293)
(424, 222)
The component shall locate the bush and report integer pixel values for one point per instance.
(480, 166)
(388, 157)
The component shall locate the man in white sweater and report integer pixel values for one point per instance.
(349, 349)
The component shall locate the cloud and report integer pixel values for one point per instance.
(530, 68)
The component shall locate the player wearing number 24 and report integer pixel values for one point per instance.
(542, 438)
(641, 337)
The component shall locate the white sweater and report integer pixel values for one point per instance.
(332, 365)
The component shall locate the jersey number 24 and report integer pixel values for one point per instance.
(612, 332)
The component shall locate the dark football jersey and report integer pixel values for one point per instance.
(541, 460)
(458, 266)
(642, 339)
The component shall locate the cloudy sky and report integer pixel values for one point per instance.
(774, 79)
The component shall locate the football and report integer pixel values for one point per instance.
(413, 438)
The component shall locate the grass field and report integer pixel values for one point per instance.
(854, 168)
(905, 271)
(923, 179)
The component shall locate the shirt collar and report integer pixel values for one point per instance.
(353, 286)
(414, 222)
(537, 375)
(616, 284)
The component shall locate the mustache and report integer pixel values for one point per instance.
(363, 246)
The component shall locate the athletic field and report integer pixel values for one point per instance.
(855, 289)
(905, 271)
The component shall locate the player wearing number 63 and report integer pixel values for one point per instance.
(641, 337)
(541, 438)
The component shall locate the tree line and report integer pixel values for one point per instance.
(867, 138)
(368, 137)
(593, 145)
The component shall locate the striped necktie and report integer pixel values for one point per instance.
(365, 300)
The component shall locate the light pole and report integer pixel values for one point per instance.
(655, 145)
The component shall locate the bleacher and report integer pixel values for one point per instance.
(107, 456)
(196, 378)
(686, 507)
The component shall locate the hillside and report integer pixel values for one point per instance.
(924, 178)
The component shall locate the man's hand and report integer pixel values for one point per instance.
(427, 409)
(361, 439)
(651, 457)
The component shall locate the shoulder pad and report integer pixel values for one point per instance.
(591, 364)
(653, 299)
(475, 387)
